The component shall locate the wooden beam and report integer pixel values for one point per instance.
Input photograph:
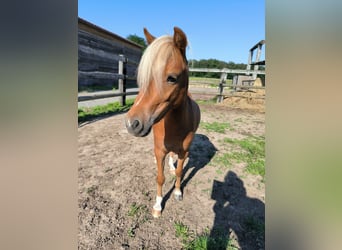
(229, 71)
(104, 95)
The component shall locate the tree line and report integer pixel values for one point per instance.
(204, 63)
(213, 64)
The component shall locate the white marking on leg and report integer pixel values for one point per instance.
(171, 164)
(157, 205)
(178, 192)
(178, 195)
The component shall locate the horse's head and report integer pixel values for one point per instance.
(163, 81)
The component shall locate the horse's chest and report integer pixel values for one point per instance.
(178, 140)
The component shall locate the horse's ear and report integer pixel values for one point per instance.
(149, 37)
(179, 38)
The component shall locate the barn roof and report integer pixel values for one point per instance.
(92, 28)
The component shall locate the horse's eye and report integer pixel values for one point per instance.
(171, 79)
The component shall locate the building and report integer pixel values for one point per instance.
(98, 51)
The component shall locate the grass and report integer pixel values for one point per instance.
(219, 127)
(223, 160)
(204, 241)
(204, 80)
(182, 232)
(213, 82)
(135, 209)
(250, 150)
(86, 114)
(255, 154)
(210, 101)
(131, 232)
(138, 214)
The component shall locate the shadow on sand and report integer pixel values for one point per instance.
(235, 211)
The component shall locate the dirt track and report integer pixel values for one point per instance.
(117, 186)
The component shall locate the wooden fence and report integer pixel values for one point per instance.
(122, 78)
(243, 79)
(123, 92)
(239, 83)
(104, 58)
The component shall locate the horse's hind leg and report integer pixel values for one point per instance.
(171, 163)
(160, 157)
(179, 172)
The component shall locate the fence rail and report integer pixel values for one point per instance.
(244, 83)
(121, 76)
(228, 71)
(105, 95)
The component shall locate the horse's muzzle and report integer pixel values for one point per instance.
(141, 128)
(137, 128)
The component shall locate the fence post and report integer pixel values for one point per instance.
(222, 81)
(249, 64)
(122, 80)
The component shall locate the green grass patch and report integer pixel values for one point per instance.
(86, 114)
(203, 79)
(250, 150)
(219, 171)
(191, 241)
(138, 216)
(209, 101)
(131, 232)
(204, 242)
(223, 160)
(219, 127)
(212, 81)
(182, 232)
(135, 209)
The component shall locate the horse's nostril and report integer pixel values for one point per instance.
(135, 124)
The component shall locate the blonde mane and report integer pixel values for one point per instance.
(153, 61)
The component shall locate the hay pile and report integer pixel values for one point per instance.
(247, 99)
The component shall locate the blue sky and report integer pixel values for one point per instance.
(218, 29)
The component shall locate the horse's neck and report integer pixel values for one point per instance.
(182, 111)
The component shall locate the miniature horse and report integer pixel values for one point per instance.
(164, 104)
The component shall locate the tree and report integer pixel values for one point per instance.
(138, 40)
(213, 63)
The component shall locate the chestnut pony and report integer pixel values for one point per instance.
(164, 104)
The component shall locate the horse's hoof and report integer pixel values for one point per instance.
(178, 197)
(156, 213)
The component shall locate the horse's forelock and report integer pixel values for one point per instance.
(154, 61)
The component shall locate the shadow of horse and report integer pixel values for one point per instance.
(200, 154)
(235, 211)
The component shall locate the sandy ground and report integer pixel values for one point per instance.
(117, 186)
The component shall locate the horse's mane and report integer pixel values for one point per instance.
(153, 61)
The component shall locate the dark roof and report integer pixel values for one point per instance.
(88, 26)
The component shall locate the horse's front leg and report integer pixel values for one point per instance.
(179, 173)
(160, 158)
